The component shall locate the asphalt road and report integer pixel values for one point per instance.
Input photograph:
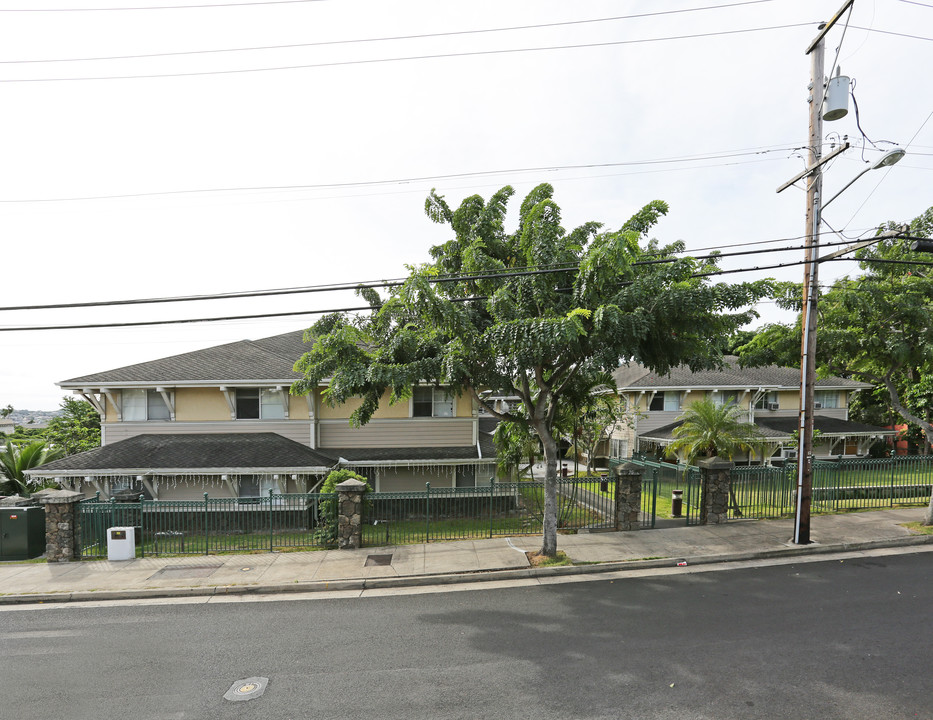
(821, 640)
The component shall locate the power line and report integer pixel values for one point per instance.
(160, 7)
(435, 56)
(421, 36)
(396, 282)
(765, 149)
(891, 32)
(148, 323)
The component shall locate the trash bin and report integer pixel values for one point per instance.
(677, 503)
(121, 543)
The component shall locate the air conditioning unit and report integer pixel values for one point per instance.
(817, 405)
(773, 406)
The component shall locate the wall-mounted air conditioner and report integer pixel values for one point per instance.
(817, 405)
(773, 406)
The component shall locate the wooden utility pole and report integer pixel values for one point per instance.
(811, 289)
(810, 296)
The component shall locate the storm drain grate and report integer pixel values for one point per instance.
(186, 571)
(372, 560)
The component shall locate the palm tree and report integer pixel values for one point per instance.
(16, 459)
(708, 429)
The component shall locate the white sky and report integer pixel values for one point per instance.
(394, 121)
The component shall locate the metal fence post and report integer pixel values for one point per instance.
(271, 519)
(654, 498)
(207, 544)
(427, 512)
(142, 525)
(492, 495)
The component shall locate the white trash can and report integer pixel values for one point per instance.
(121, 543)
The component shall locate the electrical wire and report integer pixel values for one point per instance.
(425, 178)
(891, 32)
(395, 282)
(184, 321)
(889, 168)
(421, 36)
(434, 56)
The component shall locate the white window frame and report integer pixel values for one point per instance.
(820, 396)
(147, 395)
(439, 398)
(767, 398)
(724, 397)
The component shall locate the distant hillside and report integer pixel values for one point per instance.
(32, 418)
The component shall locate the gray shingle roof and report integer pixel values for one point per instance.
(269, 359)
(783, 427)
(826, 425)
(192, 452)
(637, 377)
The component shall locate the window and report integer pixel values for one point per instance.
(247, 404)
(618, 449)
(144, 405)
(272, 403)
(256, 486)
(128, 482)
(256, 403)
(724, 397)
(827, 398)
(432, 402)
(466, 476)
(667, 400)
(767, 401)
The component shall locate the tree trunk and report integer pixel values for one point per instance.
(549, 525)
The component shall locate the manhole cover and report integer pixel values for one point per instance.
(186, 571)
(378, 560)
(248, 689)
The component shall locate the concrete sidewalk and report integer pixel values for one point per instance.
(446, 563)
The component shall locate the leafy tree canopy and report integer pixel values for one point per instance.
(76, 429)
(537, 312)
(874, 327)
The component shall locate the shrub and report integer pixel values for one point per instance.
(326, 532)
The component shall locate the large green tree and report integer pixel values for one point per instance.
(536, 312)
(875, 327)
(76, 429)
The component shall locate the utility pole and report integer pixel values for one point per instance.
(811, 285)
(809, 305)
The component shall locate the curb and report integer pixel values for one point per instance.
(490, 575)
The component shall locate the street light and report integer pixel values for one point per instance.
(891, 157)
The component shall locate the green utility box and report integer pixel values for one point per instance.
(22, 532)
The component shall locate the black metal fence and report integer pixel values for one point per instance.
(212, 525)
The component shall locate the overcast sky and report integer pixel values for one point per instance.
(222, 161)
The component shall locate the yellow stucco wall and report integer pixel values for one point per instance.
(200, 405)
(463, 407)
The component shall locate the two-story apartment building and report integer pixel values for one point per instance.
(768, 396)
(221, 420)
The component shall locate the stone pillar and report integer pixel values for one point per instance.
(350, 513)
(628, 496)
(62, 531)
(717, 481)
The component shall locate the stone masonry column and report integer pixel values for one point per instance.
(628, 496)
(62, 531)
(350, 514)
(717, 481)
